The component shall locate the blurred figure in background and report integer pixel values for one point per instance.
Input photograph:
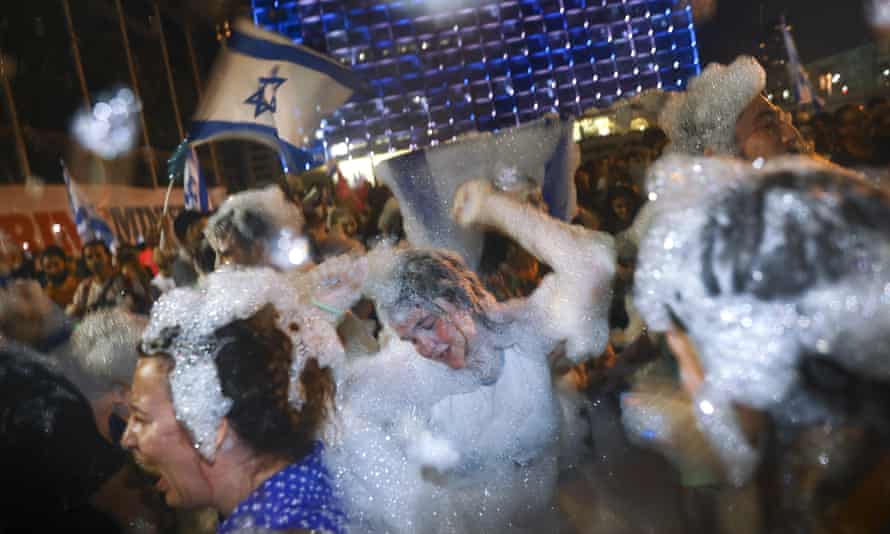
(59, 282)
(59, 440)
(854, 144)
(194, 254)
(622, 204)
(342, 228)
(724, 113)
(106, 286)
(138, 275)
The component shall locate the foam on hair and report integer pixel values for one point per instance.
(704, 116)
(259, 216)
(185, 323)
(764, 265)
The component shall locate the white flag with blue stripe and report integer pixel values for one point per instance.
(90, 225)
(425, 181)
(265, 88)
(797, 75)
(194, 189)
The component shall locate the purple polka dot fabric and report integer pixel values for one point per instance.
(300, 496)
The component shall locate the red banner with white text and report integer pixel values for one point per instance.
(34, 217)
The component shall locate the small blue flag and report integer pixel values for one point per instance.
(89, 224)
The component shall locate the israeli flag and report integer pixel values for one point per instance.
(797, 75)
(194, 188)
(265, 88)
(540, 153)
(89, 224)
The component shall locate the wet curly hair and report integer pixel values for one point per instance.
(253, 360)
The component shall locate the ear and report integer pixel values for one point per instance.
(222, 435)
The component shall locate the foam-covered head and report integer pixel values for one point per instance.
(432, 299)
(704, 116)
(258, 227)
(765, 265)
(416, 278)
(104, 347)
(184, 325)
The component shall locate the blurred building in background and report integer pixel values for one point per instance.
(854, 75)
(437, 68)
(851, 76)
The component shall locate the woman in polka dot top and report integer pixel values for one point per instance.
(264, 471)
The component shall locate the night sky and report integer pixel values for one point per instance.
(821, 27)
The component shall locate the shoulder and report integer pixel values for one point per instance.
(299, 497)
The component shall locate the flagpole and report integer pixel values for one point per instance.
(81, 77)
(5, 71)
(150, 158)
(176, 114)
(169, 70)
(200, 91)
(76, 49)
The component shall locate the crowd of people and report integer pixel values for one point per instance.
(702, 348)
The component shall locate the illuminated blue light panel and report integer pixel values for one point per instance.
(438, 68)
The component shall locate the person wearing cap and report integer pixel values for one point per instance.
(724, 113)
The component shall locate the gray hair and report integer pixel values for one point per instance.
(104, 350)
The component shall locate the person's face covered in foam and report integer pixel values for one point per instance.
(443, 337)
(763, 130)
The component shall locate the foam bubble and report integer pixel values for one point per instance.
(704, 116)
(750, 319)
(264, 217)
(183, 322)
(111, 129)
(878, 14)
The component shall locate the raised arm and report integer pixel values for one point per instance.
(334, 286)
(571, 304)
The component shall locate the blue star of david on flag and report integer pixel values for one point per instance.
(247, 98)
(258, 99)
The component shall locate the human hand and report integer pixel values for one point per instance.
(337, 283)
(470, 200)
